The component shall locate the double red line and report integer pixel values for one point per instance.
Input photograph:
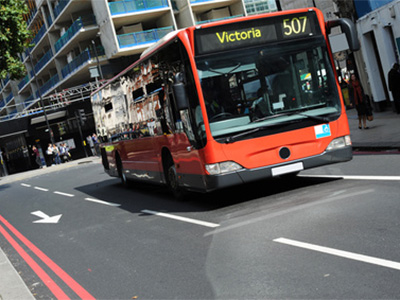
(53, 287)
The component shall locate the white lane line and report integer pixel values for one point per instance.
(63, 194)
(102, 202)
(183, 219)
(345, 254)
(25, 184)
(41, 189)
(355, 177)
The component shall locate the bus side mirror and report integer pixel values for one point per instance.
(348, 28)
(180, 93)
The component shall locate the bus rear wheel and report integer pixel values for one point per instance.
(121, 174)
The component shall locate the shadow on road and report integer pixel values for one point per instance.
(139, 196)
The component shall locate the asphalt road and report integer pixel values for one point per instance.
(333, 232)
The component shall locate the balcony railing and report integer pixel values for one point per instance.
(48, 85)
(23, 82)
(143, 37)
(49, 20)
(59, 8)
(31, 16)
(39, 35)
(128, 6)
(81, 59)
(219, 19)
(42, 62)
(73, 29)
(9, 98)
(198, 1)
(28, 101)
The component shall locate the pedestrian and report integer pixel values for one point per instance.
(56, 155)
(357, 96)
(50, 155)
(394, 85)
(96, 144)
(91, 144)
(37, 156)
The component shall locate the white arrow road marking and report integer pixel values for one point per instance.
(183, 219)
(46, 218)
(345, 254)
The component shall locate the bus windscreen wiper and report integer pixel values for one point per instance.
(316, 118)
(233, 138)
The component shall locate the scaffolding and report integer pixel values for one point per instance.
(53, 102)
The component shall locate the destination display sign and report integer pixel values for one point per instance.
(255, 32)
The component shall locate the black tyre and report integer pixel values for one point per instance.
(173, 184)
(121, 173)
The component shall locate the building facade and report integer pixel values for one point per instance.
(379, 35)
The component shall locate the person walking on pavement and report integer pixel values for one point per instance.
(37, 156)
(394, 85)
(56, 154)
(357, 96)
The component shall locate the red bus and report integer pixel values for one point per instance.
(227, 103)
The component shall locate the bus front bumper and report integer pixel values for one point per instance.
(215, 182)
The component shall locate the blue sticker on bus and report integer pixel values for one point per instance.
(322, 131)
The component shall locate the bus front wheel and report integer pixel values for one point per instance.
(173, 184)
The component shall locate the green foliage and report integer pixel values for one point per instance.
(14, 36)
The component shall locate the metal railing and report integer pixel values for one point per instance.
(142, 37)
(48, 85)
(8, 98)
(60, 7)
(219, 19)
(127, 6)
(23, 82)
(42, 62)
(73, 29)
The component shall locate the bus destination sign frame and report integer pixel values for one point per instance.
(255, 32)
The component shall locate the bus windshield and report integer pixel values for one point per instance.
(268, 86)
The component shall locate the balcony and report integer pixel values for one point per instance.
(130, 6)
(9, 98)
(219, 19)
(48, 85)
(23, 82)
(199, 1)
(42, 62)
(143, 37)
(60, 7)
(80, 60)
(39, 35)
(28, 101)
(73, 29)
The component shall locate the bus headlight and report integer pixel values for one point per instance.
(339, 143)
(223, 167)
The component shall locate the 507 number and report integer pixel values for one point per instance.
(294, 25)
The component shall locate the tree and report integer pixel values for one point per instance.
(14, 37)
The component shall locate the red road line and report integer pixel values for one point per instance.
(53, 287)
(76, 287)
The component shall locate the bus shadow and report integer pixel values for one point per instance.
(137, 197)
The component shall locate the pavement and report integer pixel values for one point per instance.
(382, 136)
